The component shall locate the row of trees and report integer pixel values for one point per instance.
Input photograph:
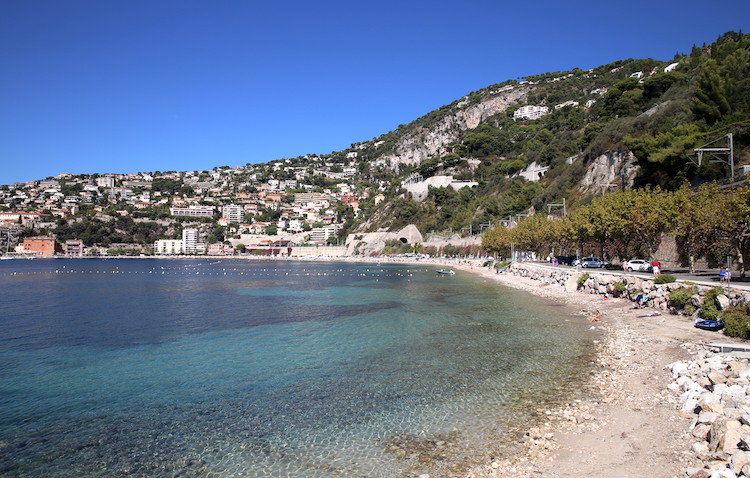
(707, 222)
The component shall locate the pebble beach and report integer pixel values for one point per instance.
(637, 424)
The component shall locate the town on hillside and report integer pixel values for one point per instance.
(263, 209)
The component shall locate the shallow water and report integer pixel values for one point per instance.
(145, 367)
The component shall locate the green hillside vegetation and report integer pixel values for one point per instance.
(705, 97)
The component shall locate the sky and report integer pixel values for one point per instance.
(119, 86)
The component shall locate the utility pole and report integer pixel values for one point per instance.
(729, 151)
(565, 210)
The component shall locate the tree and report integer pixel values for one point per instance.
(498, 240)
(696, 228)
(711, 101)
(735, 222)
(532, 232)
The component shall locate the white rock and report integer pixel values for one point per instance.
(710, 403)
(707, 417)
(700, 448)
(717, 377)
(735, 392)
(719, 388)
(722, 302)
(732, 435)
(725, 473)
(738, 460)
(688, 407)
(677, 367)
(684, 382)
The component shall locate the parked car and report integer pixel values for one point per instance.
(593, 262)
(566, 260)
(637, 265)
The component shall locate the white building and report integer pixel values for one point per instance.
(168, 247)
(567, 103)
(320, 235)
(105, 182)
(190, 240)
(195, 211)
(233, 213)
(530, 112)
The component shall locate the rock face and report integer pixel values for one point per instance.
(417, 146)
(373, 243)
(715, 388)
(419, 190)
(609, 171)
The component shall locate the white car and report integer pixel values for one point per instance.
(637, 265)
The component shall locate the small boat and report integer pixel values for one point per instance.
(446, 271)
(709, 324)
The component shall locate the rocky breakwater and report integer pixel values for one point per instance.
(629, 286)
(714, 389)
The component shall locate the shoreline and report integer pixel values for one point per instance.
(630, 426)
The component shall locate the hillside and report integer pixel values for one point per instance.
(631, 123)
(506, 150)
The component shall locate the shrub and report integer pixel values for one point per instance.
(709, 311)
(582, 278)
(682, 298)
(619, 287)
(665, 279)
(737, 322)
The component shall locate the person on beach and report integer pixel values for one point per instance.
(640, 300)
(596, 318)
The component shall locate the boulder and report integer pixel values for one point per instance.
(710, 403)
(732, 436)
(722, 302)
(701, 432)
(707, 417)
(678, 369)
(716, 434)
(739, 460)
(735, 393)
(716, 377)
(697, 473)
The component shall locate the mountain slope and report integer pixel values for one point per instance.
(631, 123)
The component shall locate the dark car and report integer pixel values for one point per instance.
(566, 260)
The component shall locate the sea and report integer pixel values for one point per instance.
(200, 367)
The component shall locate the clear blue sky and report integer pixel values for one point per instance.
(143, 85)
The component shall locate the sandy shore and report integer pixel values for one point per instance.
(631, 428)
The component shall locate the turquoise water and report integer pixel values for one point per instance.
(145, 367)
